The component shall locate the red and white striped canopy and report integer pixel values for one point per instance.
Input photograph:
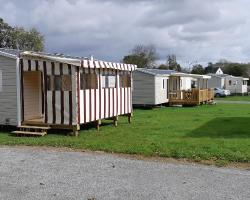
(108, 65)
(82, 62)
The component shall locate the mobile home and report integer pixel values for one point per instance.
(236, 85)
(54, 90)
(154, 87)
(150, 87)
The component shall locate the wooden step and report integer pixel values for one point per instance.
(29, 133)
(34, 127)
(31, 130)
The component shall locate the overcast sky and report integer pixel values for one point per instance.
(194, 30)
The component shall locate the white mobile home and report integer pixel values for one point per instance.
(155, 87)
(61, 91)
(150, 87)
(236, 85)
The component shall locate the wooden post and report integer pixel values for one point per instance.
(115, 121)
(129, 117)
(98, 123)
(76, 129)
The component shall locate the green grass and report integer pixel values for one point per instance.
(234, 98)
(220, 133)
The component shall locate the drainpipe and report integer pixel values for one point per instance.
(18, 93)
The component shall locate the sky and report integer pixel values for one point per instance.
(196, 31)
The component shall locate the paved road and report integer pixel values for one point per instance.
(30, 173)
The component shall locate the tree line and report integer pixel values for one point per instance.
(146, 56)
(232, 68)
(19, 38)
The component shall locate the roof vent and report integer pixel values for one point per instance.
(91, 57)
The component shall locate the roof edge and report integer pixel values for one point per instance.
(8, 55)
(151, 73)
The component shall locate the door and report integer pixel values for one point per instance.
(32, 95)
(174, 87)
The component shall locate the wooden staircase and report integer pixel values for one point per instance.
(31, 130)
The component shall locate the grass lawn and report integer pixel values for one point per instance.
(234, 98)
(220, 133)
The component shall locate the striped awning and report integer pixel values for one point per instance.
(77, 61)
(108, 65)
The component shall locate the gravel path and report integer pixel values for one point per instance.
(32, 173)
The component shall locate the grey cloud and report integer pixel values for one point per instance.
(108, 29)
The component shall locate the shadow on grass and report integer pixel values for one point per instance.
(142, 108)
(224, 127)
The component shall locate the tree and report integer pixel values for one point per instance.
(19, 38)
(28, 40)
(209, 68)
(236, 69)
(5, 35)
(198, 69)
(172, 63)
(142, 56)
(163, 66)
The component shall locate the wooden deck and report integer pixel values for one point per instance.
(191, 97)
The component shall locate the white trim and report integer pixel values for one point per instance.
(18, 93)
(191, 75)
(8, 55)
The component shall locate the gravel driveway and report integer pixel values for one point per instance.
(32, 173)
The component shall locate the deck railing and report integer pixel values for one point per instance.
(193, 96)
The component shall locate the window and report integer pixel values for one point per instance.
(108, 81)
(125, 81)
(59, 82)
(230, 82)
(1, 81)
(66, 83)
(50, 83)
(112, 81)
(164, 84)
(104, 81)
(193, 84)
(88, 81)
